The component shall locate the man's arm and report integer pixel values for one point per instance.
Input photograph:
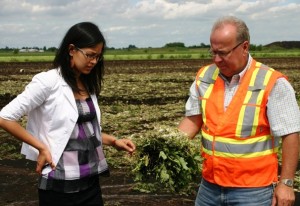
(290, 155)
(283, 194)
(191, 125)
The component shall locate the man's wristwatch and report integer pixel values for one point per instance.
(287, 182)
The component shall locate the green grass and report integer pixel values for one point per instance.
(148, 53)
(26, 57)
(276, 52)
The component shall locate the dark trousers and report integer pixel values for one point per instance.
(89, 197)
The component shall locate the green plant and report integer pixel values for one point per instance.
(297, 181)
(166, 159)
(10, 151)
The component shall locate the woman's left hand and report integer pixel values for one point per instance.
(124, 144)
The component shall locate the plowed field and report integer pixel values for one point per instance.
(136, 96)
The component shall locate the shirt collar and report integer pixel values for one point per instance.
(240, 75)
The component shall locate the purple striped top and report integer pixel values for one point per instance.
(82, 155)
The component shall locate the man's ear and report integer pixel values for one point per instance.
(246, 47)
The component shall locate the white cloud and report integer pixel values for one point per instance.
(144, 23)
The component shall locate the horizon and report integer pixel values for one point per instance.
(191, 46)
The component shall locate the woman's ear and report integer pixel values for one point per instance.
(71, 49)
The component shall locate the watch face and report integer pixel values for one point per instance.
(289, 182)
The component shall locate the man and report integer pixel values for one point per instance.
(242, 108)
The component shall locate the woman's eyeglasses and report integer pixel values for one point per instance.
(90, 57)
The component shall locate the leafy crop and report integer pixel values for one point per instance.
(166, 158)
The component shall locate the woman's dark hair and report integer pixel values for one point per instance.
(84, 34)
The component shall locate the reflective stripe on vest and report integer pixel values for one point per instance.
(209, 76)
(259, 80)
(239, 148)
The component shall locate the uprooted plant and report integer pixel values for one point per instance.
(166, 160)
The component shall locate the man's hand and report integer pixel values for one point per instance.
(283, 196)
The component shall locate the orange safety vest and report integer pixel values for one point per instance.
(237, 145)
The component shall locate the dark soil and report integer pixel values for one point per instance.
(18, 187)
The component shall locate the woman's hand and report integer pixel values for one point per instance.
(120, 144)
(124, 144)
(44, 159)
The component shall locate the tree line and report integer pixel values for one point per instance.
(253, 47)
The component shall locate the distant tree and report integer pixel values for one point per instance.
(259, 47)
(202, 45)
(131, 46)
(45, 48)
(254, 47)
(194, 46)
(16, 51)
(175, 44)
(52, 49)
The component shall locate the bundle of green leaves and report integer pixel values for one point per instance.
(166, 159)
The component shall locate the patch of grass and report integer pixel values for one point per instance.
(147, 54)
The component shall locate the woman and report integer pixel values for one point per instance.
(63, 130)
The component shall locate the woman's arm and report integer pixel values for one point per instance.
(15, 129)
(124, 144)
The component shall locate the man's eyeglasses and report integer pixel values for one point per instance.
(223, 54)
(90, 57)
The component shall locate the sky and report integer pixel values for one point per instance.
(144, 23)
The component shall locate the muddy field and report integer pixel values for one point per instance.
(137, 95)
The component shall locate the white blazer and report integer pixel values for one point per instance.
(52, 113)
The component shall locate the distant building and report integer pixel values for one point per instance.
(31, 50)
